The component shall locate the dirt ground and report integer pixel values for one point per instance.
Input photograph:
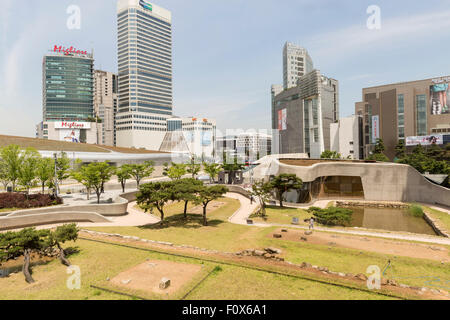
(404, 249)
(147, 276)
(213, 206)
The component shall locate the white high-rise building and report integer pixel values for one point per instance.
(296, 63)
(346, 137)
(145, 74)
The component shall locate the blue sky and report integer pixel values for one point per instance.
(228, 53)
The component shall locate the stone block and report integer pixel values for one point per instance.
(164, 284)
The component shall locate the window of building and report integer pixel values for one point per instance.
(401, 116)
(421, 115)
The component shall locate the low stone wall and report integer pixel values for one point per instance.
(240, 190)
(372, 204)
(8, 223)
(435, 224)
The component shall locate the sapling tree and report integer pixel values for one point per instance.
(45, 172)
(212, 169)
(12, 161)
(261, 190)
(123, 174)
(175, 171)
(27, 171)
(142, 171)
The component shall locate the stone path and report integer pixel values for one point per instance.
(244, 212)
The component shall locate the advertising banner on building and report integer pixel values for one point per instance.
(425, 140)
(282, 119)
(69, 135)
(440, 97)
(375, 129)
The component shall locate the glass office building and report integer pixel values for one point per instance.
(68, 87)
(145, 74)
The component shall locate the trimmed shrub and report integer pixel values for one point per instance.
(332, 216)
(20, 201)
(416, 211)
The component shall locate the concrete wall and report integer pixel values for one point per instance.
(381, 181)
(8, 223)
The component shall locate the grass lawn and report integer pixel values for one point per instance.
(227, 237)
(99, 261)
(441, 216)
(282, 215)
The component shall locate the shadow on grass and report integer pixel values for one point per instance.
(72, 251)
(193, 221)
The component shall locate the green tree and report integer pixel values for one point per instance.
(193, 167)
(142, 171)
(156, 195)
(106, 171)
(27, 172)
(378, 153)
(62, 168)
(4, 175)
(14, 245)
(11, 156)
(400, 149)
(45, 171)
(175, 172)
(285, 183)
(94, 176)
(186, 190)
(60, 236)
(327, 154)
(207, 194)
(262, 190)
(379, 146)
(123, 174)
(212, 169)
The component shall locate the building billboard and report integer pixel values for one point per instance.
(440, 97)
(72, 125)
(282, 119)
(69, 135)
(425, 140)
(375, 129)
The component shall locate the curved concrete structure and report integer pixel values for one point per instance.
(381, 181)
(16, 222)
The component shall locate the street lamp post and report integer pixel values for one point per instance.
(56, 175)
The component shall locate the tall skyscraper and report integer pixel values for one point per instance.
(105, 104)
(145, 74)
(68, 96)
(68, 85)
(296, 63)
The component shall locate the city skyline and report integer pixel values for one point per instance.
(218, 75)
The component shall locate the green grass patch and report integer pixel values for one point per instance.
(277, 215)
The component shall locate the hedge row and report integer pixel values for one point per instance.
(21, 201)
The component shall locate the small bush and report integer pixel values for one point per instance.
(332, 216)
(20, 200)
(416, 211)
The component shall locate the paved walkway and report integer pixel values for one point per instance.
(244, 212)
